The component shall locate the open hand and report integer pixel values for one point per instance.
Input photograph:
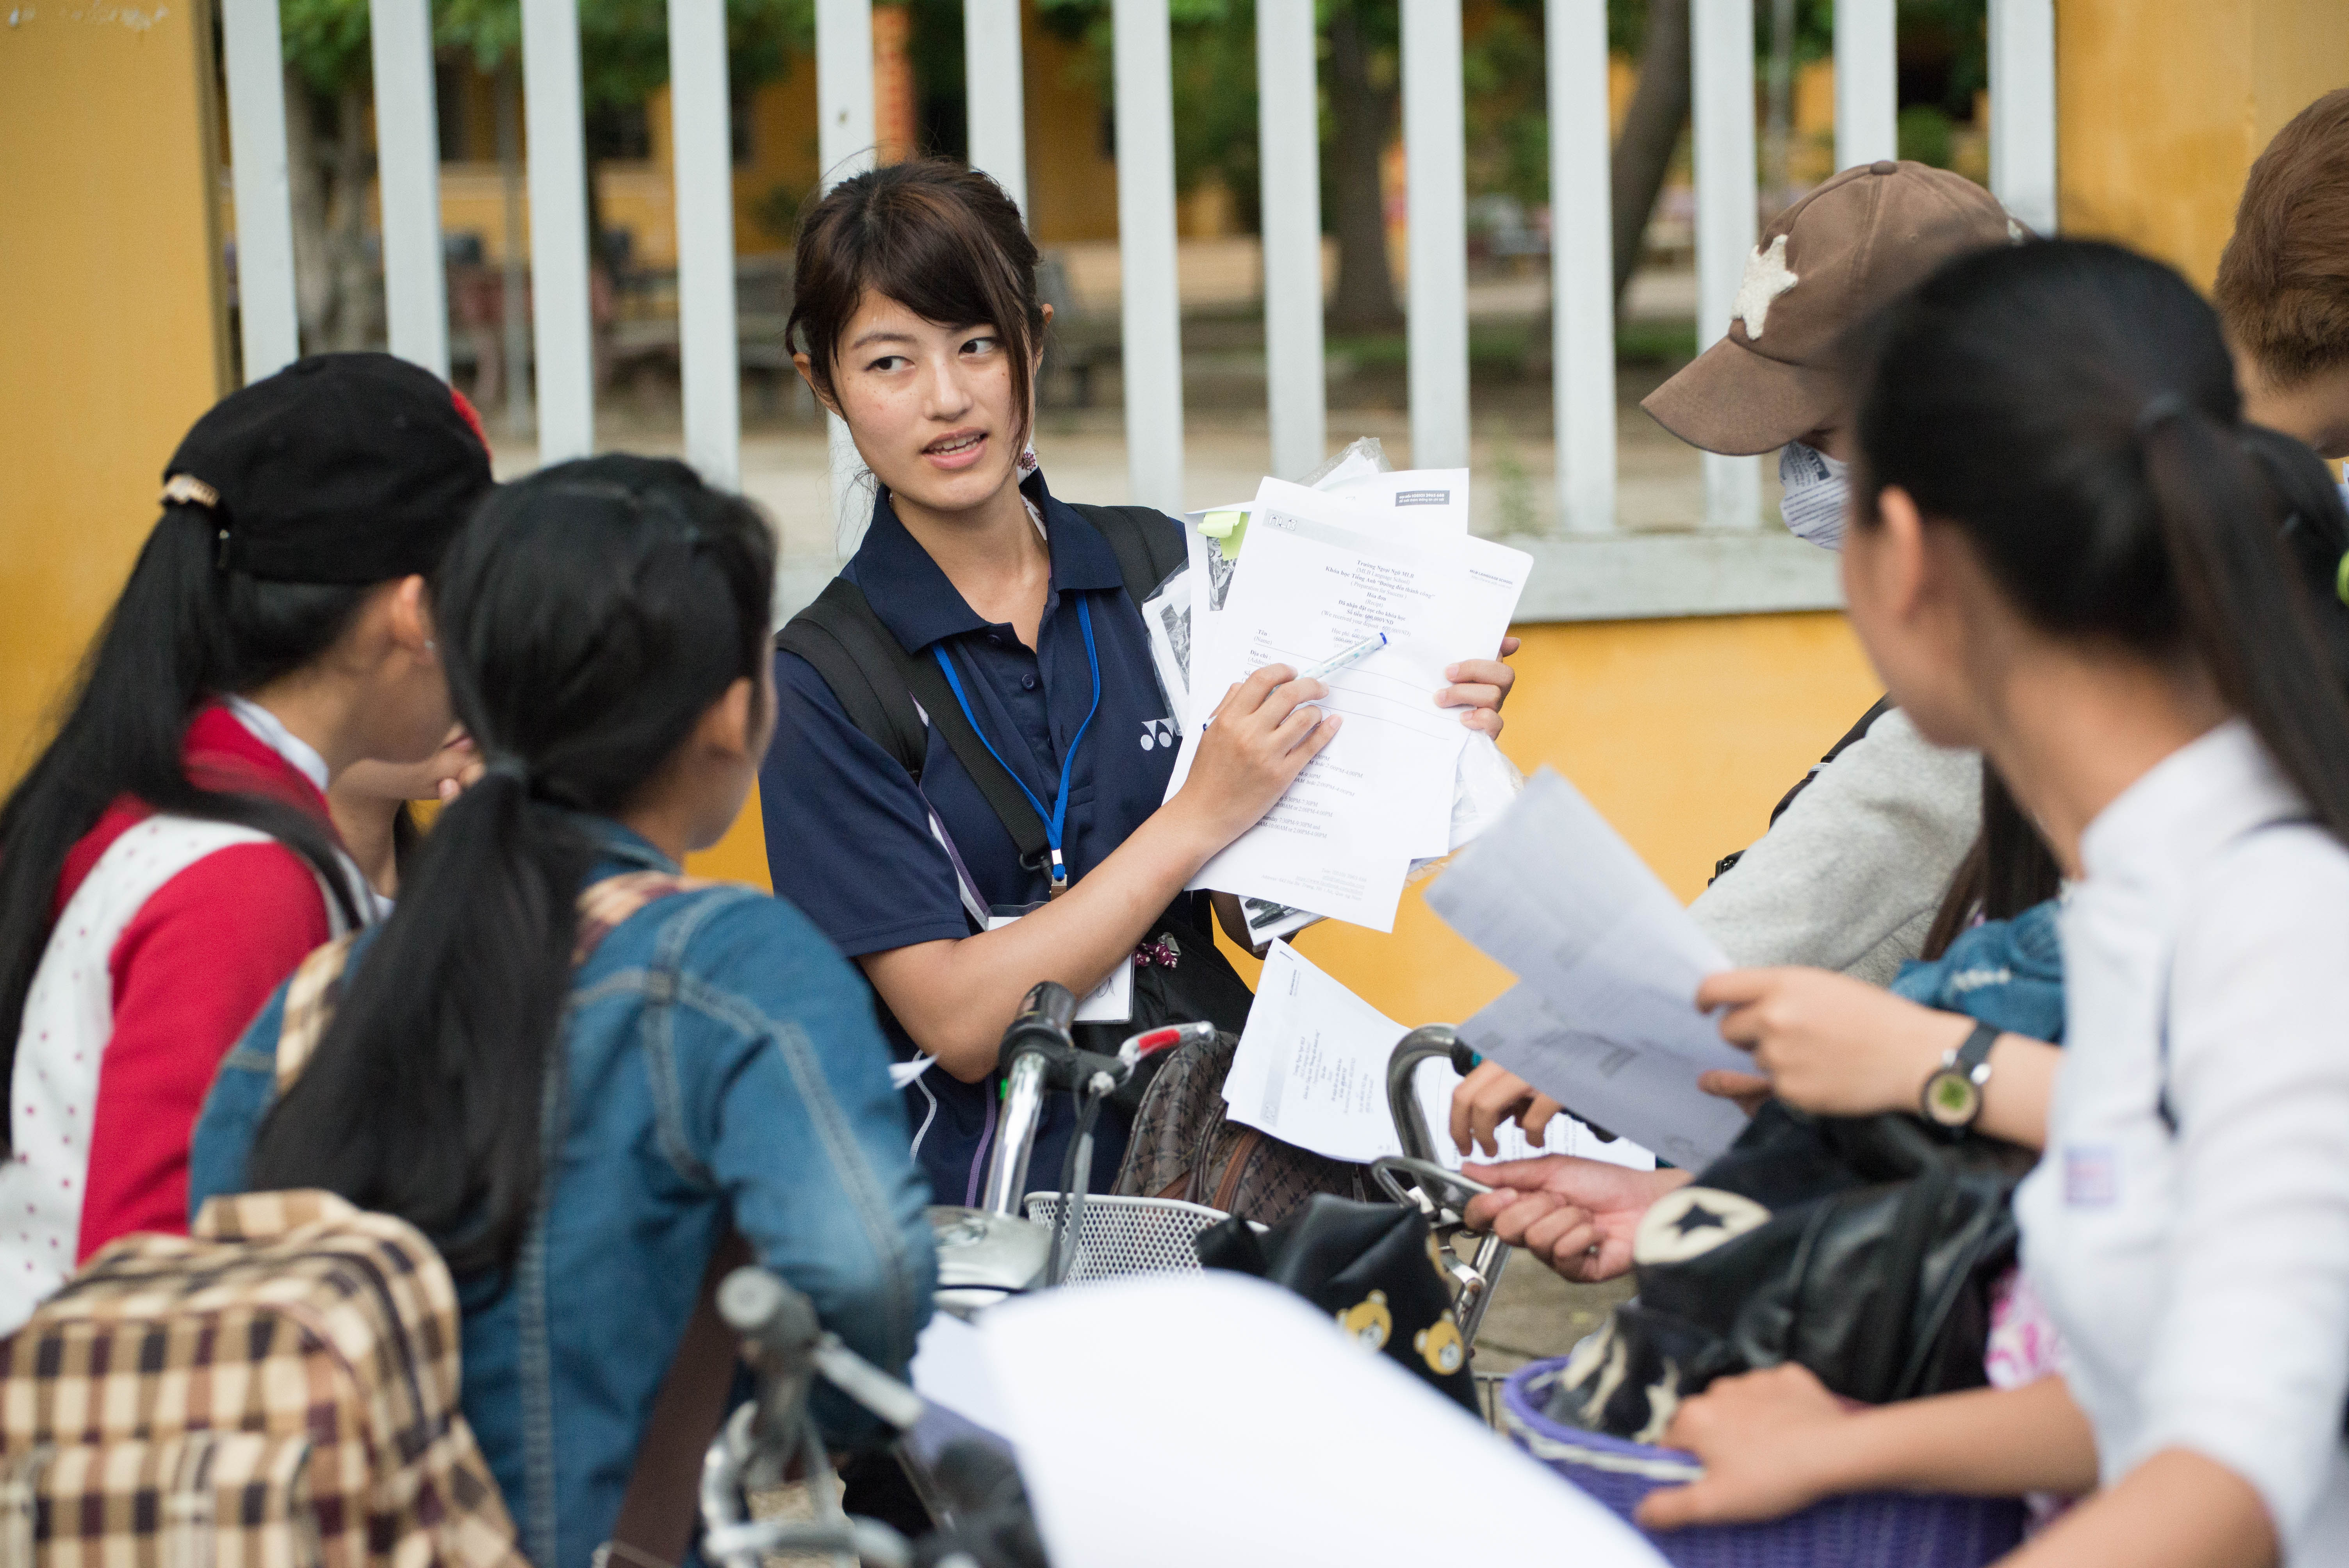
(1758, 1435)
(1490, 1095)
(1575, 1215)
(1481, 686)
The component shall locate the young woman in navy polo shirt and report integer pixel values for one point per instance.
(917, 321)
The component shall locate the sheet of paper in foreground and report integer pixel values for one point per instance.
(1311, 1071)
(1553, 892)
(1270, 1441)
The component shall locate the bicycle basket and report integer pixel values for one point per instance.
(1121, 1236)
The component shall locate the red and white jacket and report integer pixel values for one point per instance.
(171, 933)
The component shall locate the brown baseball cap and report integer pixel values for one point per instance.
(1824, 263)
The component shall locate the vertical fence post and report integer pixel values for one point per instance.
(1436, 171)
(1581, 265)
(843, 92)
(2022, 110)
(700, 107)
(993, 87)
(558, 230)
(271, 328)
(1289, 156)
(408, 172)
(1866, 82)
(1721, 39)
(1150, 304)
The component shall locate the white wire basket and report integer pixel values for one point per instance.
(1118, 1237)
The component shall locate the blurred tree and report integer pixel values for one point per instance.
(623, 56)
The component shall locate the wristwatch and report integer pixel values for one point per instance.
(1952, 1096)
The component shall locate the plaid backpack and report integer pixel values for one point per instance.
(278, 1390)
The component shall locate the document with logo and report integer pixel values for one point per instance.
(1311, 1070)
(1380, 794)
(1605, 1021)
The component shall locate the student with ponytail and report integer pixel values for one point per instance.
(2073, 556)
(574, 1069)
(169, 858)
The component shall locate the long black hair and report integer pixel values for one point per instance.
(183, 631)
(2072, 407)
(589, 616)
(2010, 867)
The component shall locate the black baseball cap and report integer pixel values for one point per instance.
(340, 469)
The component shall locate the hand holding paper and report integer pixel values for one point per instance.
(1605, 1021)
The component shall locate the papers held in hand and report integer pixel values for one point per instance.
(1604, 1019)
(1390, 589)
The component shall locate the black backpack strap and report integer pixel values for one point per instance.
(877, 683)
(858, 658)
(1148, 543)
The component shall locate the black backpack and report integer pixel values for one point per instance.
(1861, 1247)
(877, 683)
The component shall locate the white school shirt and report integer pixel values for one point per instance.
(2200, 1279)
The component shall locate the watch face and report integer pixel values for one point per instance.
(1952, 1099)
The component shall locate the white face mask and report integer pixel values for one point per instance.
(1814, 495)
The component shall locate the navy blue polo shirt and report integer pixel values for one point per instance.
(848, 833)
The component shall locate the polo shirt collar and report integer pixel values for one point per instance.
(2191, 804)
(920, 606)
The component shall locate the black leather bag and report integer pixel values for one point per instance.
(1373, 1267)
(1863, 1248)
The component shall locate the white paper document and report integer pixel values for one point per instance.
(1647, 1098)
(1605, 1021)
(1311, 1071)
(1272, 1438)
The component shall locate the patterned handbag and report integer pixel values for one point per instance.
(277, 1390)
(1184, 1146)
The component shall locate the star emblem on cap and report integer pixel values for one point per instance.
(1765, 279)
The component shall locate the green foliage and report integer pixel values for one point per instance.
(623, 43)
(1924, 133)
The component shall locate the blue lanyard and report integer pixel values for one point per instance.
(1057, 818)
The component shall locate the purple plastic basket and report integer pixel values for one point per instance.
(1879, 1529)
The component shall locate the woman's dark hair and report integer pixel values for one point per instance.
(2072, 409)
(940, 238)
(589, 616)
(2009, 869)
(183, 631)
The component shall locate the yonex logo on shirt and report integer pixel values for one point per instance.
(1157, 732)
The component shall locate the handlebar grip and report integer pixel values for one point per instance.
(776, 1320)
(1051, 1005)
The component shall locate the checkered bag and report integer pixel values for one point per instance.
(278, 1390)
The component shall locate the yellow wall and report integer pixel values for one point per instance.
(112, 337)
(2163, 104)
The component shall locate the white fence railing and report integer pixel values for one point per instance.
(2022, 174)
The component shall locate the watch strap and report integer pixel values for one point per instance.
(1969, 1058)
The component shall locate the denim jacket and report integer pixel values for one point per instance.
(758, 1097)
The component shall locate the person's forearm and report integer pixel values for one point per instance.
(1985, 1442)
(2022, 1085)
(2178, 1510)
(955, 997)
